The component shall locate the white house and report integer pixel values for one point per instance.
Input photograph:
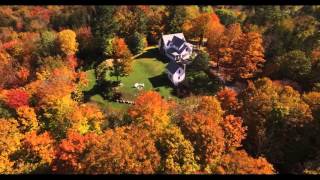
(175, 47)
(176, 72)
(179, 51)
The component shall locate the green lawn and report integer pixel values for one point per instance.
(148, 68)
(92, 80)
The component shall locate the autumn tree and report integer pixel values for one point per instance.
(200, 26)
(201, 62)
(228, 98)
(239, 162)
(155, 24)
(47, 44)
(6, 69)
(137, 42)
(103, 25)
(295, 65)
(121, 55)
(313, 100)
(248, 55)
(234, 132)
(150, 111)
(70, 152)
(54, 100)
(103, 70)
(36, 154)
(15, 98)
(27, 118)
(206, 136)
(280, 124)
(10, 138)
(227, 16)
(176, 18)
(67, 41)
(207, 105)
(238, 54)
(131, 19)
(199, 122)
(86, 118)
(177, 153)
(128, 150)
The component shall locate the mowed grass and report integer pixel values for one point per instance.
(91, 80)
(148, 68)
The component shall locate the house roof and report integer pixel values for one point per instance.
(177, 41)
(172, 67)
(174, 52)
(169, 37)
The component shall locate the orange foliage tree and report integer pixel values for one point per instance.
(313, 100)
(122, 64)
(40, 148)
(248, 55)
(128, 150)
(206, 136)
(70, 152)
(200, 26)
(150, 111)
(237, 54)
(229, 100)
(239, 162)
(59, 84)
(280, 124)
(234, 132)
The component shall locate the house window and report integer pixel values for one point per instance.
(179, 71)
(179, 77)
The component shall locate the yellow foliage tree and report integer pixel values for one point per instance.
(177, 153)
(67, 41)
(27, 118)
(10, 137)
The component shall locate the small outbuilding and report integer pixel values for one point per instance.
(176, 72)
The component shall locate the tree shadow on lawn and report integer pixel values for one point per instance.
(153, 53)
(160, 81)
(104, 90)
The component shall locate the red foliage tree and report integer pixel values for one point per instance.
(70, 151)
(16, 97)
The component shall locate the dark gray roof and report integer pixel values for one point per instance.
(182, 49)
(177, 41)
(172, 50)
(172, 67)
(168, 37)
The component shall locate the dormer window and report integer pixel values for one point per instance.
(179, 71)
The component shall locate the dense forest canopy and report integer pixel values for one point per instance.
(250, 103)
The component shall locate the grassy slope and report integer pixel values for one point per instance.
(148, 69)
